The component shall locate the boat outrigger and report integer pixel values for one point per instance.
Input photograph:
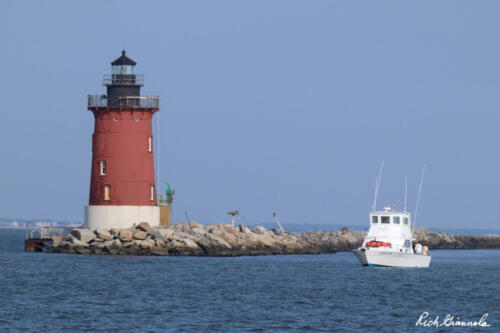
(389, 241)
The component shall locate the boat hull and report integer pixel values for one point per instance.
(391, 259)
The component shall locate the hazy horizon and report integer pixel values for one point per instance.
(276, 106)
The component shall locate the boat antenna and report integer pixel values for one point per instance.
(377, 184)
(418, 197)
(406, 190)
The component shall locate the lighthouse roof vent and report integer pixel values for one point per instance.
(123, 60)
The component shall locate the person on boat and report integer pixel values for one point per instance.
(418, 248)
(425, 250)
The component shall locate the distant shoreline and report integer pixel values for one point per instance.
(292, 228)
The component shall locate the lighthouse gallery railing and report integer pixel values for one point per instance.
(123, 79)
(139, 102)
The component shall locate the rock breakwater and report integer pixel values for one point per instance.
(193, 239)
(444, 241)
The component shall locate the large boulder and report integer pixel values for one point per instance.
(104, 234)
(147, 243)
(76, 242)
(166, 232)
(100, 245)
(228, 237)
(191, 244)
(84, 235)
(259, 230)
(159, 242)
(198, 232)
(221, 243)
(115, 232)
(126, 234)
(144, 226)
(96, 241)
(136, 243)
(111, 244)
(139, 234)
(159, 236)
(266, 242)
(82, 250)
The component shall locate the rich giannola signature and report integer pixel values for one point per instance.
(450, 320)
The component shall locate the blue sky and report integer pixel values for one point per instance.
(286, 106)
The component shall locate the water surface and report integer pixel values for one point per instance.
(316, 293)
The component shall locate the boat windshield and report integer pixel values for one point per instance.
(385, 219)
(374, 219)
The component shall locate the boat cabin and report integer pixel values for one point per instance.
(390, 229)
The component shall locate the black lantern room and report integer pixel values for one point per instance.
(123, 84)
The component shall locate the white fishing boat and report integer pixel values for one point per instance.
(389, 242)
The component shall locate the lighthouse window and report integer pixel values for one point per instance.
(152, 194)
(123, 69)
(116, 119)
(107, 192)
(103, 168)
(374, 219)
(395, 219)
(136, 118)
(385, 219)
(150, 144)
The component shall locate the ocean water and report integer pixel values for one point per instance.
(311, 293)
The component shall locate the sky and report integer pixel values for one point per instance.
(267, 106)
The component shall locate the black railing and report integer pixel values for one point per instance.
(123, 80)
(139, 102)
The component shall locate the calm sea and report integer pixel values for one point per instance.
(316, 293)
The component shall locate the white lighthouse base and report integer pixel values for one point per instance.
(120, 217)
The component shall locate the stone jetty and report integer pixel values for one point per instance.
(193, 239)
(444, 241)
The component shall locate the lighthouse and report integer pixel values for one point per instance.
(122, 181)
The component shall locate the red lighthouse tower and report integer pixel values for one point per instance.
(122, 183)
